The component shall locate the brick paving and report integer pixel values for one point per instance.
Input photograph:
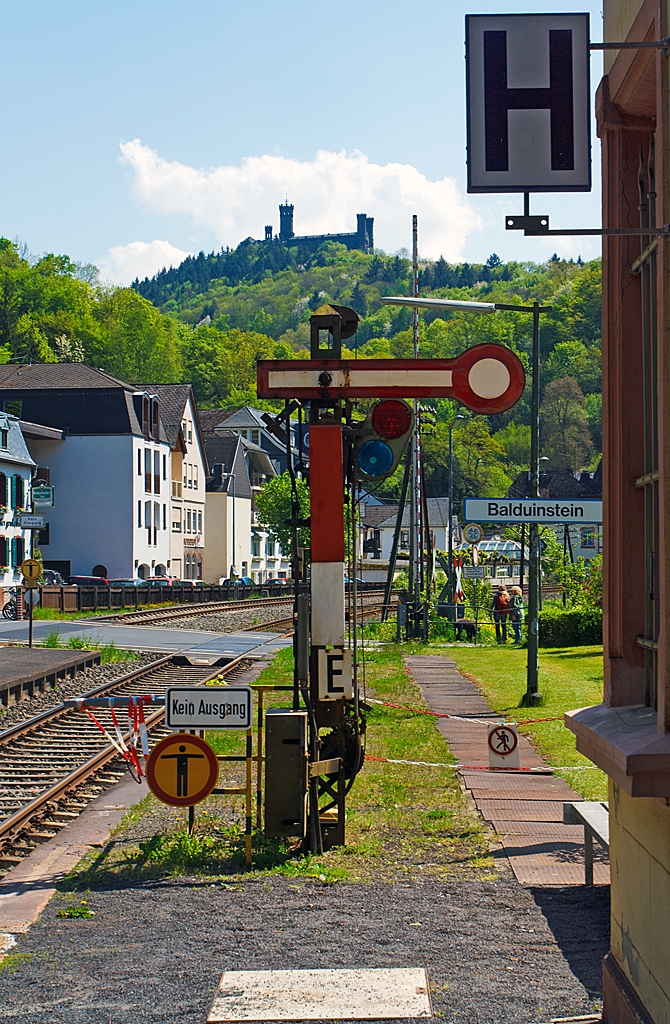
(525, 811)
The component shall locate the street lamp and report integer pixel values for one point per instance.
(451, 504)
(532, 695)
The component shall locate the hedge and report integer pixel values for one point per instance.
(570, 626)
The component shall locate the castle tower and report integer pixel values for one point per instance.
(268, 232)
(286, 221)
(364, 240)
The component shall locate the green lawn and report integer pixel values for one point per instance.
(403, 822)
(570, 677)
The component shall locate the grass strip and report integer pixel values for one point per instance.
(403, 822)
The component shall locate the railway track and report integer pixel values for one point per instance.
(52, 765)
(157, 615)
(184, 610)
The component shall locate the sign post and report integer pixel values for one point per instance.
(31, 571)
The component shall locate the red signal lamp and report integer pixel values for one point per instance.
(391, 419)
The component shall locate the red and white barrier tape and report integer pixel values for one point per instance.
(457, 718)
(485, 768)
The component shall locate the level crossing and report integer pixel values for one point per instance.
(194, 643)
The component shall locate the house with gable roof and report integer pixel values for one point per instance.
(16, 469)
(188, 476)
(108, 458)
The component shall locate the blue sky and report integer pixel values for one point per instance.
(230, 104)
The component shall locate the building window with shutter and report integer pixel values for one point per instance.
(4, 553)
(3, 492)
(188, 520)
(139, 462)
(17, 491)
(195, 477)
(155, 430)
(147, 520)
(165, 517)
(190, 431)
(190, 474)
(147, 471)
(256, 547)
(139, 513)
(164, 467)
(255, 436)
(145, 417)
(157, 472)
(157, 521)
(200, 522)
(185, 474)
(17, 551)
(4, 438)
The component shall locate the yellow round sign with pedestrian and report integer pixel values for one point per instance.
(31, 569)
(182, 770)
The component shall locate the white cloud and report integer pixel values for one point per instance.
(237, 201)
(123, 263)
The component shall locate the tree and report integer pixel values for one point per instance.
(494, 261)
(274, 507)
(565, 431)
(480, 457)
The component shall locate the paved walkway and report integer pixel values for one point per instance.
(159, 639)
(525, 810)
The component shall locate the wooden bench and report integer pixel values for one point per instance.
(594, 816)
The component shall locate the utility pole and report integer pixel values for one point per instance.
(450, 536)
(416, 546)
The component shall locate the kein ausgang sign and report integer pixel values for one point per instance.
(208, 707)
(550, 511)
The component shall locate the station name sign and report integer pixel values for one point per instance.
(208, 707)
(550, 511)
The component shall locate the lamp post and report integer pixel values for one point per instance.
(531, 695)
(450, 536)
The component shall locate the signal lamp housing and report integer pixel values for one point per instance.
(383, 438)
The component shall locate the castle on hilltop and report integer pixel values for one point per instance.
(361, 238)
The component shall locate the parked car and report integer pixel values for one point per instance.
(88, 581)
(52, 578)
(239, 581)
(161, 581)
(136, 582)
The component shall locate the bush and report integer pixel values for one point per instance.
(570, 626)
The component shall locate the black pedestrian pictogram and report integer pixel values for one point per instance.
(503, 740)
(182, 768)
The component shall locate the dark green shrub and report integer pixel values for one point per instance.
(570, 626)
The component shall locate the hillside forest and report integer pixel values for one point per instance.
(209, 320)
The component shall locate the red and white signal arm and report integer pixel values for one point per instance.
(487, 379)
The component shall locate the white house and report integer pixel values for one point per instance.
(237, 543)
(108, 460)
(16, 469)
(188, 475)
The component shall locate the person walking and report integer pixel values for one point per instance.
(500, 609)
(516, 612)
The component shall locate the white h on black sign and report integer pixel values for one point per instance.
(208, 707)
(529, 127)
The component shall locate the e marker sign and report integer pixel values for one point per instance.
(550, 511)
(208, 707)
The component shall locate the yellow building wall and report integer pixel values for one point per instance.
(619, 15)
(640, 895)
(216, 559)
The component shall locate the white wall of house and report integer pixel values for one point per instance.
(218, 556)
(100, 504)
(10, 533)
(191, 541)
(268, 561)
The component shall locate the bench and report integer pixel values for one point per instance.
(594, 816)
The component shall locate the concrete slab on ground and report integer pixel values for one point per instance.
(24, 670)
(525, 810)
(28, 887)
(345, 994)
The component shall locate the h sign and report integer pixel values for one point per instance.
(528, 103)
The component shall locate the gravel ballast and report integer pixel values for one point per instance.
(228, 621)
(494, 952)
